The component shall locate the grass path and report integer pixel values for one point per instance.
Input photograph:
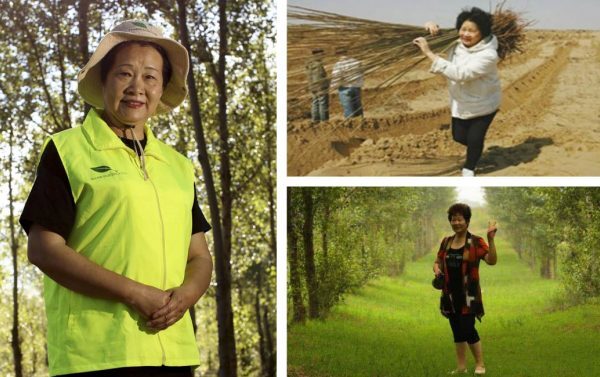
(392, 327)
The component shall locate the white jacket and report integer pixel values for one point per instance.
(472, 78)
(347, 72)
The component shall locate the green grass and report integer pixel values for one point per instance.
(392, 327)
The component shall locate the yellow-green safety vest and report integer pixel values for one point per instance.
(137, 228)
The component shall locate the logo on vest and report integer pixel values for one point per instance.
(103, 169)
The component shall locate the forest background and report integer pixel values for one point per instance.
(339, 239)
(226, 126)
(360, 300)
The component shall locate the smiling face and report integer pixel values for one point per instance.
(458, 223)
(469, 34)
(133, 85)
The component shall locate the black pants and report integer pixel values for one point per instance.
(139, 372)
(463, 328)
(471, 132)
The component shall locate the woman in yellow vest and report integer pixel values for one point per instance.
(114, 223)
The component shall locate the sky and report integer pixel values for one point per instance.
(471, 195)
(549, 14)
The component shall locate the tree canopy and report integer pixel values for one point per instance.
(341, 238)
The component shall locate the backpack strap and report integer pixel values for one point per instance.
(446, 247)
(447, 242)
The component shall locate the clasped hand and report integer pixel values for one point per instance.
(159, 308)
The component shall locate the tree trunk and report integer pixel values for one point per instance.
(325, 231)
(259, 326)
(309, 254)
(299, 311)
(324, 239)
(429, 236)
(545, 267)
(270, 346)
(266, 350)
(221, 230)
(14, 246)
(60, 61)
(82, 11)
(228, 367)
(271, 187)
(193, 317)
(30, 38)
(555, 264)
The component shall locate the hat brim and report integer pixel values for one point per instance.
(90, 85)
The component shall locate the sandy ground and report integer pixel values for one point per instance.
(548, 124)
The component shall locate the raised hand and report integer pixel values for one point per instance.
(492, 229)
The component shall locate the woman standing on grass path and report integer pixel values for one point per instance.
(457, 272)
(472, 73)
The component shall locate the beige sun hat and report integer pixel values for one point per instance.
(90, 85)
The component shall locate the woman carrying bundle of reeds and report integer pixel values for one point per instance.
(474, 85)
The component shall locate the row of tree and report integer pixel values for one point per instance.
(556, 230)
(340, 238)
(227, 125)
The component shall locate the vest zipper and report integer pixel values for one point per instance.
(164, 280)
(164, 277)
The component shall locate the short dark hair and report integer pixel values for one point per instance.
(460, 209)
(481, 18)
(108, 60)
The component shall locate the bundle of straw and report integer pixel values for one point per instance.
(509, 28)
(378, 45)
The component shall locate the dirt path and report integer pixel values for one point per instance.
(548, 124)
(569, 119)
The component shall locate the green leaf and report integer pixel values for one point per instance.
(102, 169)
